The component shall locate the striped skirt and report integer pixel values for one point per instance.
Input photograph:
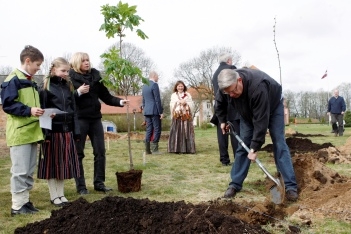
(181, 137)
(58, 158)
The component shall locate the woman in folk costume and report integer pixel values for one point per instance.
(181, 137)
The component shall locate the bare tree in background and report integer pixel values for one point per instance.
(197, 72)
(45, 66)
(5, 70)
(291, 102)
(345, 92)
(138, 58)
(166, 99)
(67, 56)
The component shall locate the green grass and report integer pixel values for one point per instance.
(167, 177)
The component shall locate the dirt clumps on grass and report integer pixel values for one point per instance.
(323, 193)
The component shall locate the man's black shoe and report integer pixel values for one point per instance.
(231, 192)
(227, 164)
(23, 210)
(83, 192)
(31, 206)
(103, 188)
(291, 195)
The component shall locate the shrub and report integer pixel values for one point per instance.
(166, 124)
(323, 121)
(205, 125)
(347, 118)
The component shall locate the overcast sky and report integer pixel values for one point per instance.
(312, 35)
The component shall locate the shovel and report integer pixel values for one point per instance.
(277, 190)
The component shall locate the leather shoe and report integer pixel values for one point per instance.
(103, 188)
(31, 206)
(227, 164)
(83, 191)
(231, 192)
(23, 210)
(291, 195)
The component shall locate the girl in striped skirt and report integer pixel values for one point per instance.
(58, 156)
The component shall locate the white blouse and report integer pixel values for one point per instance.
(175, 97)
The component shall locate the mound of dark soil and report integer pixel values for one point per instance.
(297, 134)
(300, 145)
(129, 215)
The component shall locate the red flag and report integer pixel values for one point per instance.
(325, 74)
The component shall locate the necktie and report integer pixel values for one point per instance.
(28, 77)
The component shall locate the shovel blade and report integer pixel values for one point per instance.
(278, 190)
(276, 195)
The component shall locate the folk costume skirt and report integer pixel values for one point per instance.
(58, 158)
(181, 137)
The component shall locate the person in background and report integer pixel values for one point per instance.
(89, 89)
(144, 124)
(20, 101)
(258, 99)
(336, 109)
(60, 158)
(181, 137)
(225, 62)
(153, 113)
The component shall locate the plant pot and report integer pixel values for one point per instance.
(129, 181)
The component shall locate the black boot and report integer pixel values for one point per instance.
(335, 129)
(147, 148)
(341, 130)
(154, 148)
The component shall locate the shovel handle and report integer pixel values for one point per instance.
(248, 150)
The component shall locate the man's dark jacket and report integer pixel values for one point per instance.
(336, 105)
(261, 96)
(232, 114)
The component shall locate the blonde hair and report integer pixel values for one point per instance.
(56, 63)
(76, 61)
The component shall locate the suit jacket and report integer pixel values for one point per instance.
(151, 99)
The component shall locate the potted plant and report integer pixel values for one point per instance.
(121, 74)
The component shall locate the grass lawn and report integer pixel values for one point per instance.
(167, 177)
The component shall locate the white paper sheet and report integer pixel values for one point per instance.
(45, 120)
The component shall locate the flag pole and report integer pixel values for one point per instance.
(324, 76)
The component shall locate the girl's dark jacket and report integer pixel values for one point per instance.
(261, 96)
(88, 104)
(58, 95)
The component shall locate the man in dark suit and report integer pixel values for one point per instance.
(225, 61)
(153, 113)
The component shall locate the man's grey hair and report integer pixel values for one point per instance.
(224, 57)
(226, 78)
